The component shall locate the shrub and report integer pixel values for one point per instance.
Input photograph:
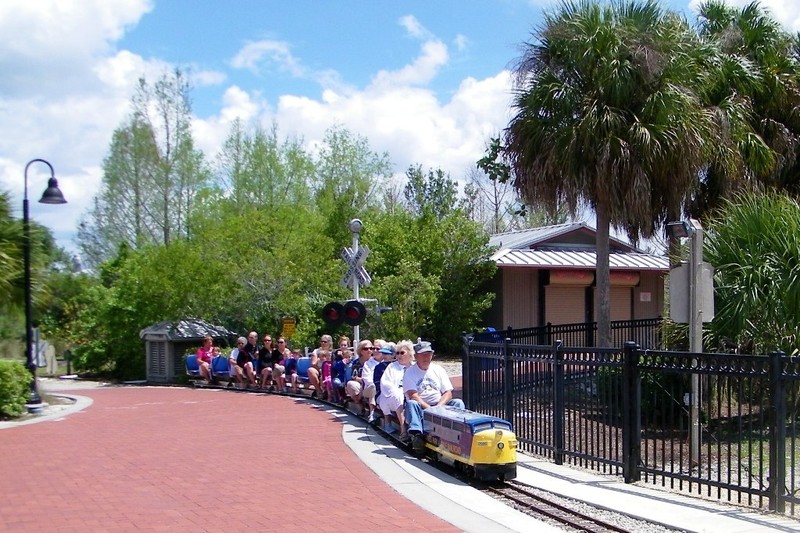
(15, 381)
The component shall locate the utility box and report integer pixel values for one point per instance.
(679, 288)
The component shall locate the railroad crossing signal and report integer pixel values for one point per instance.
(355, 266)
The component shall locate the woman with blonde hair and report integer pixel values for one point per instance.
(392, 397)
(325, 343)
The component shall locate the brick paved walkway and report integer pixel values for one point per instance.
(180, 459)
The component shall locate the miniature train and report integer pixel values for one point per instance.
(482, 446)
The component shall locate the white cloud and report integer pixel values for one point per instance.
(461, 42)
(434, 56)
(277, 52)
(414, 27)
(53, 39)
(64, 90)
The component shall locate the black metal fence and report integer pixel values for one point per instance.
(645, 332)
(626, 411)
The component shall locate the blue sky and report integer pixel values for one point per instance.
(425, 80)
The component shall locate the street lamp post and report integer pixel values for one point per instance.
(694, 231)
(51, 195)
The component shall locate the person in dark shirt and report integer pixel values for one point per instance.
(279, 355)
(244, 360)
(252, 348)
(388, 356)
(265, 362)
(290, 371)
(339, 369)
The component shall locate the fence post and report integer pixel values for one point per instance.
(558, 403)
(631, 416)
(777, 434)
(466, 375)
(508, 381)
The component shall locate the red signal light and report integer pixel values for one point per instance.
(333, 314)
(354, 313)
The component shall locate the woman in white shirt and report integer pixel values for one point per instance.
(391, 398)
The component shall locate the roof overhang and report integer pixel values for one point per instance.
(579, 259)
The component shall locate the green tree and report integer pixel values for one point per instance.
(10, 252)
(151, 176)
(349, 179)
(433, 194)
(257, 170)
(607, 116)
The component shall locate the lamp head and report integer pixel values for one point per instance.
(355, 226)
(678, 230)
(52, 195)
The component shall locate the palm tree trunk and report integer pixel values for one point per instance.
(602, 276)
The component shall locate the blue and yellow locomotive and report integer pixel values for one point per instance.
(484, 446)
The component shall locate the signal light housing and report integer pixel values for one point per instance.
(354, 313)
(333, 314)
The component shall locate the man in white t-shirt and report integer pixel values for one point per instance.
(425, 384)
(235, 371)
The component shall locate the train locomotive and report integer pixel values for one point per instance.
(483, 446)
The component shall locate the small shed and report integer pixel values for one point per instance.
(166, 342)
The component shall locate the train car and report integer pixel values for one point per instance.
(484, 446)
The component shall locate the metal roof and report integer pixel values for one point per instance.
(187, 329)
(578, 258)
(529, 238)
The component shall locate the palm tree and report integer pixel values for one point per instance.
(607, 115)
(752, 87)
(10, 255)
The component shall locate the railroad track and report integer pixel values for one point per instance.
(536, 505)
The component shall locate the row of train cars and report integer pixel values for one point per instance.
(480, 446)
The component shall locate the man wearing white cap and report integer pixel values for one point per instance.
(425, 384)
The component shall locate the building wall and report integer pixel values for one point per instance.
(517, 304)
(648, 296)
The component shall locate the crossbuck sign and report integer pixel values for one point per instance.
(355, 266)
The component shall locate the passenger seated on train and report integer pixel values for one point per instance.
(391, 399)
(360, 387)
(235, 372)
(325, 374)
(204, 355)
(280, 353)
(290, 366)
(244, 360)
(265, 361)
(385, 355)
(339, 370)
(425, 384)
(314, 379)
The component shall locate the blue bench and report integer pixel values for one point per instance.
(193, 367)
(303, 364)
(221, 367)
